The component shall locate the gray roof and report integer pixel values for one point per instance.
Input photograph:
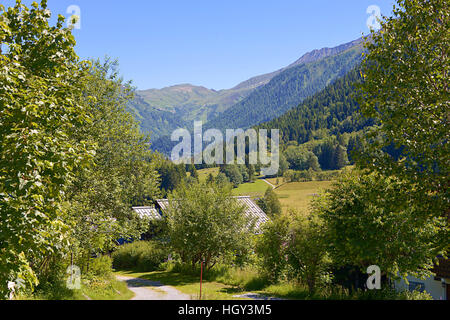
(147, 212)
(252, 210)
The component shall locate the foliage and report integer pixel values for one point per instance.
(123, 175)
(309, 175)
(233, 174)
(307, 250)
(206, 223)
(301, 159)
(141, 256)
(373, 220)
(287, 90)
(41, 79)
(270, 203)
(406, 90)
(333, 109)
(101, 266)
(172, 175)
(271, 247)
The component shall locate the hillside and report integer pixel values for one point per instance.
(287, 90)
(333, 110)
(160, 111)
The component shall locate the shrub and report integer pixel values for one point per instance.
(271, 248)
(141, 256)
(101, 266)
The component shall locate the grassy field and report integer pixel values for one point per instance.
(255, 189)
(298, 195)
(294, 195)
(204, 173)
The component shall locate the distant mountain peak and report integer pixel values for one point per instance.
(318, 54)
(308, 57)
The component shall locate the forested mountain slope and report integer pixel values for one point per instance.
(287, 90)
(333, 110)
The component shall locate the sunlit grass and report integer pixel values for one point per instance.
(298, 195)
(204, 173)
(254, 189)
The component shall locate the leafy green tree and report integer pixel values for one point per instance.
(172, 176)
(340, 157)
(205, 223)
(233, 173)
(373, 220)
(312, 162)
(307, 249)
(406, 90)
(251, 172)
(271, 247)
(270, 204)
(284, 165)
(123, 174)
(41, 79)
(222, 180)
(193, 171)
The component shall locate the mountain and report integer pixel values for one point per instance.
(287, 90)
(332, 110)
(160, 111)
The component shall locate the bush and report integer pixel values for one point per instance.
(143, 256)
(271, 248)
(101, 266)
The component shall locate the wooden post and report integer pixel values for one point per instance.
(201, 278)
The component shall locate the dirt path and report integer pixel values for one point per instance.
(152, 290)
(273, 187)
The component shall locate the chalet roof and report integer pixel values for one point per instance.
(252, 210)
(148, 212)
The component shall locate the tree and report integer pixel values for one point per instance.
(193, 171)
(251, 172)
(327, 155)
(270, 204)
(271, 247)
(206, 223)
(373, 220)
(340, 157)
(123, 174)
(406, 90)
(40, 81)
(307, 249)
(233, 173)
(284, 166)
(210, 178)
(172, 176)
(312, 162)
(222, 180)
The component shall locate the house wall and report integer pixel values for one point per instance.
(430, 285)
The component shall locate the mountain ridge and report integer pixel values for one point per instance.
(161, 111)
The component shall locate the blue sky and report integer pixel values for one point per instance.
(216, 44)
